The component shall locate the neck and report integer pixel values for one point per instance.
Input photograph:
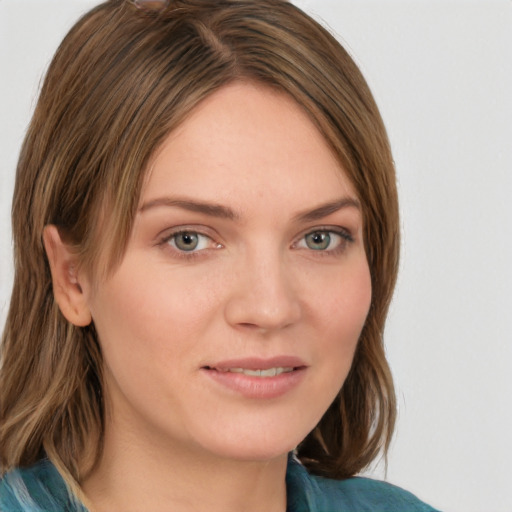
(134, 474)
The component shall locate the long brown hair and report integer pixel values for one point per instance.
(122, 79)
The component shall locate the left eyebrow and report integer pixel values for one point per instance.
(327, 208)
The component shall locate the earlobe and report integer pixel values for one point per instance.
(67, 288)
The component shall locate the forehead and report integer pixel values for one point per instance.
(247, 140)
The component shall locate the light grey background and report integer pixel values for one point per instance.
(442, 74)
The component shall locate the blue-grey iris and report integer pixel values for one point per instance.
(186, 241)
(318, 240)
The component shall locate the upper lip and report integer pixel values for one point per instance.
(256, 363)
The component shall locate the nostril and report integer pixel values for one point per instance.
(248, 325)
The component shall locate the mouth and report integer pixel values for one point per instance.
(257, 378)
(263, 373)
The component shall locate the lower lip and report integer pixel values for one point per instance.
(258, 387)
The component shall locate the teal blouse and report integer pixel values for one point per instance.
(40, 488)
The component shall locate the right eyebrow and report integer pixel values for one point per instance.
(206, 208)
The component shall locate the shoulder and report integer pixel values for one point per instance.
(317, 494)
(365, 494)
(38, 488)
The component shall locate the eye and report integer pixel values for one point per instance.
(190, 241)
(324, 240)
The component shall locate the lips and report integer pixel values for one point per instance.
(255, 363)
(270, 372)
(258, 378)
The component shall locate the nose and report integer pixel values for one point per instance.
(263, 295)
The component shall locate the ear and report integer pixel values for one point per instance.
(66, 283)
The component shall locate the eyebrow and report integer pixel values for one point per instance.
(210, 209)
(224, 212)
(327, 208)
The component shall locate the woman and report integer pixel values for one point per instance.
(206, 242)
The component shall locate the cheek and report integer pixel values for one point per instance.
(338, 307)
(345, 303)
(343, 314)
(146, 320)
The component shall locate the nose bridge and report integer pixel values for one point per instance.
(263, 295)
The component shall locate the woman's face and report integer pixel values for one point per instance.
(231, 323)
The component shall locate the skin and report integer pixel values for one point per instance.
(255, 286)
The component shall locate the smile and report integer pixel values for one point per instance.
(269, 372)
(256, 378)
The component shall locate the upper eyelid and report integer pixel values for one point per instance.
(326, 229)
(168, 238)
(168, 233)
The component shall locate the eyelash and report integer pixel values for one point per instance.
(187, 255)
(344, 235)
(345, 238)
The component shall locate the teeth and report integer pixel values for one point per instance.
(270, 372)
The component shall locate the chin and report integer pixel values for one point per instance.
(257, 445)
